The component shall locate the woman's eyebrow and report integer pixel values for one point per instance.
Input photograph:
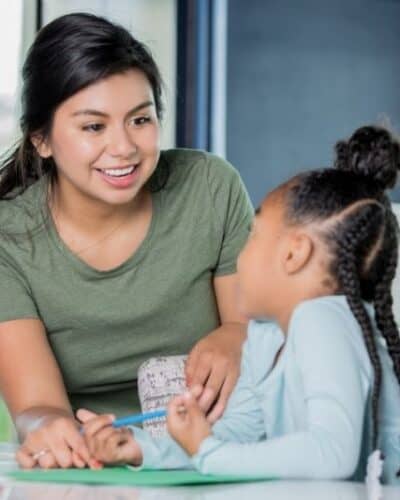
(96, 112)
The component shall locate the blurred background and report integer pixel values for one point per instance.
(270, 85)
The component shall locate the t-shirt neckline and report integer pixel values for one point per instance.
(132, 261)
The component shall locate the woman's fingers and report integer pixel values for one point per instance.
(190, 365)
(61, 452)
(201, 373)
(220, 405)
(77, 460)
(24, 458)
(47, 461)
(55, 443)
(77, 443)
(213, 385)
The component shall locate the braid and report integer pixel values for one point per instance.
(383, 300)
(350, 208)
(351, 236)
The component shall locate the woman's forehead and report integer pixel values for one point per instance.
(125, 90)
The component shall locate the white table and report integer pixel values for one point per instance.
(274, 490)
(270, 490)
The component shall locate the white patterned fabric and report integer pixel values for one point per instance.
(159, 379)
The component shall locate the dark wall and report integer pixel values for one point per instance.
(303, 74)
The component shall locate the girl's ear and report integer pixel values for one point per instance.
(41, 145)
(298, 252)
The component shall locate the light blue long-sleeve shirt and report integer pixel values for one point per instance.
(307, 416)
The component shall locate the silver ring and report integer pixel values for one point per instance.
(40, 453)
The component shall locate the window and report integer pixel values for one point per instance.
(10, 56)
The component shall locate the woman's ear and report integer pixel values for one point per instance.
(41, 145)
(298, 253)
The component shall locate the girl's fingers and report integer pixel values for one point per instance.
(190, 405)
(84, 415)
(98, 442)
(93, 426)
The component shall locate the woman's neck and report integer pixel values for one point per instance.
(91, 215)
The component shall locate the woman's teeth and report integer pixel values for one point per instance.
(119, 172)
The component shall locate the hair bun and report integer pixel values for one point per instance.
(373, 152)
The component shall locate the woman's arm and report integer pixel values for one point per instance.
(213, 365)
(32, 386)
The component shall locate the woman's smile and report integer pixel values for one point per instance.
(121, 176)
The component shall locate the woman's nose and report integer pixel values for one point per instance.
(122, 144)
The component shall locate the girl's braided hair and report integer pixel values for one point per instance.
(362, 233)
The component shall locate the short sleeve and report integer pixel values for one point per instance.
(16, 301)
(233, 212)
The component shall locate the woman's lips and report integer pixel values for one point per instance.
(123, 180)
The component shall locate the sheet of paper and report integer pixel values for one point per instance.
(125, 476)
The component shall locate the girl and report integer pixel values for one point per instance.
(111, 251)
(319, 388)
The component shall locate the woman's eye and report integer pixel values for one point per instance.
(93, 127)
(140, 120)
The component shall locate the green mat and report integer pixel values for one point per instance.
(124, 476)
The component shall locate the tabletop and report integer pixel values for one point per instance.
(274, 490)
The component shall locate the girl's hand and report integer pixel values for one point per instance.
(55, 442)
(213, 367)
(187, 423)
(108, 445)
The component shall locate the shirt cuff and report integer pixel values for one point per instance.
(208, 446)
(159, 453)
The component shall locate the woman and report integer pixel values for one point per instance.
(111, 251)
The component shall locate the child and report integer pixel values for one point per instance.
(319, 388)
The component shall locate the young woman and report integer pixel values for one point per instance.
(111, 251)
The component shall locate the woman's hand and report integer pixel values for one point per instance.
(55, 441)
(108, 445)
(186, 423)
(213, 367)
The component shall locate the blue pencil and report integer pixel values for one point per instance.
(137, 419)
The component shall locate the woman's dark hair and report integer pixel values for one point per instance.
(69, 54)
(361, 231)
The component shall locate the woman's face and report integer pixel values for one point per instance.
(105, 139)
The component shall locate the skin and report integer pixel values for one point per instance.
(112, 123)
(296, 261)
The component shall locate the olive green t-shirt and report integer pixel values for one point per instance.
(102, 325)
